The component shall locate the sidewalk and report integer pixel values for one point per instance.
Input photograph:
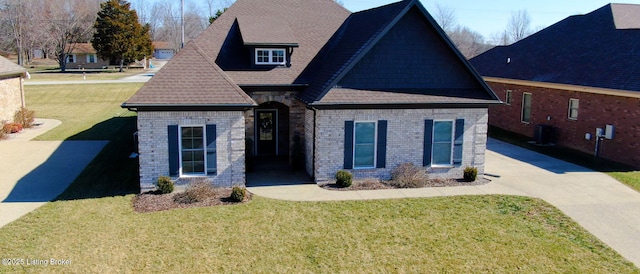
(605, 207)
(35, 172)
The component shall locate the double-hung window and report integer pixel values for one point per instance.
(270, 56)
(573, 108)
(442, 143)
(71, 58)
(91, 58)
(526, 107)
(192, 150)
(365, 144)
(364, 153)
(507, 99)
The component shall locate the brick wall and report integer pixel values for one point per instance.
(154, 153)
(10, 98)
(550, 106)
(405, 137)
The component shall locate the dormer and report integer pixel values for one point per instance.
(270, 39)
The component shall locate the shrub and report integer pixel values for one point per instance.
(24, 117)
(197, 191)
(12, 128)
(408, 175)
(238, 194)
(165, 185)
(470, 174)
(344, 178)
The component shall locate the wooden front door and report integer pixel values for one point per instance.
(267, 132)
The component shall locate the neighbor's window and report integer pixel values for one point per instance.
(270, 57)
(573, 109)
(526, 107)
(91, 58)
(507, 97)
(364, 145)
(442, 143)
(192, 150)
(71, 58)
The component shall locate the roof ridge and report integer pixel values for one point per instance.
(213, 64)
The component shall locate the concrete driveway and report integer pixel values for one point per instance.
(602, 205)
(35, 172)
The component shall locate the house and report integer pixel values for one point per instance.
(83, 55)
(162, 50)
(309, 80)
(568, 81)
(11, 89)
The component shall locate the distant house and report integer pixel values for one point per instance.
(312, 83)
(84, 55)
(162, 50)
(11, 89)
(568, 81)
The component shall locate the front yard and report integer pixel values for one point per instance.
(93, 223)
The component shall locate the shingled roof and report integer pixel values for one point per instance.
(600, 49)
(8, 68)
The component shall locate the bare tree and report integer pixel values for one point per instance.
(446, 18)
(165, 23)
(470, 43)
(500, 38)
(519, 25)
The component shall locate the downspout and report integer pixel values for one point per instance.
(313, 159)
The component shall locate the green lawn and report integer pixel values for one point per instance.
(93, 224)
(450, 234)
(77, 76)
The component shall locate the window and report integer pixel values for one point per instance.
(573, 109)
(526, 107)
(442, 143)
(364, 153)
(71, 58)
(91, 58)
(270, 57)
(507, 97)
(192, 150)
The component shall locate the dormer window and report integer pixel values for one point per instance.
(270, 56)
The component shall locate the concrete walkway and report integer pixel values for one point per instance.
(602, 205)
(35, 172)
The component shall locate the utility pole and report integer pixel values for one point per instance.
(182, 23)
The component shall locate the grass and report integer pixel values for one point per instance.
(463, 234)
(93, 223)
(77, 75)
(621, 172)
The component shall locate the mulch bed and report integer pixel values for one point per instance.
(379, 184)
(154, 201)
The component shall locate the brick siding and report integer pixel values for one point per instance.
(10, 98)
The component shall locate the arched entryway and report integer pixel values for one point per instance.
(271, 130)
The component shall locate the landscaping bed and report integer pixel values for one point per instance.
(371, 184)
(154, 201)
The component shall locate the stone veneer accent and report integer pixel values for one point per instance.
(10, 97)
(154, 154)
(405, 137)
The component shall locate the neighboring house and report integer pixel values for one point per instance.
(11, 89)
(309, 80)
(162, 50)
(571, 78)
(84, 55)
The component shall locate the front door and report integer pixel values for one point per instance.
(267, 132)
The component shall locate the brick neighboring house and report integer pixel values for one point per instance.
(311, 82)
(11, 89)
(577, 75)
(84, 55)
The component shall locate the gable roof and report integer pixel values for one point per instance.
(600, 49)
(266, 31)
(192, 79)
(82, 48)
(358, 39)
(8, 68)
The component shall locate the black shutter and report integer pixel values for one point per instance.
(211, 150)
(459, 141)
(381, 161)
(348, 145)
(428, 142)
(174, 153)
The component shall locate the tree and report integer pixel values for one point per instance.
(118, 34)
(214, 17)
(446, 18)
(470, 43)
(519, 25)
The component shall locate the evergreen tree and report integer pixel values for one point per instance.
(119, 35)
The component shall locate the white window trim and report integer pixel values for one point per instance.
(270, 50)
(375, 145)
(453, 132)
(95, 58)
(508, 97)
(522, 108)
(577, 109)
(75, 60)
(204, 146)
